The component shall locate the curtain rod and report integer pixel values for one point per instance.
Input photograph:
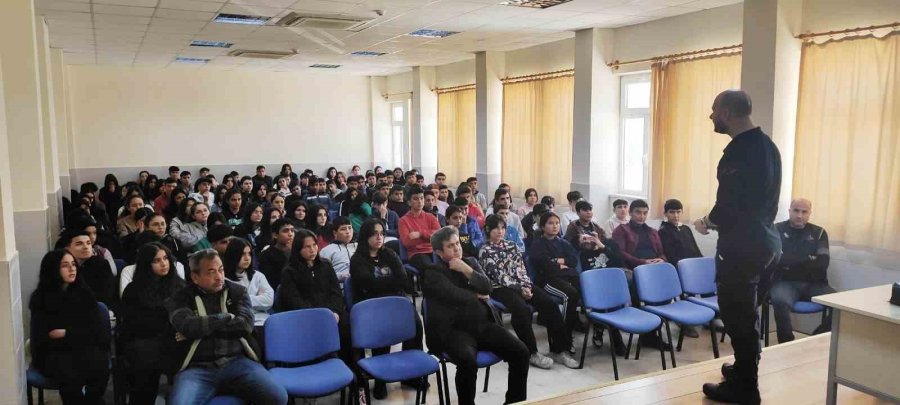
(440, 90)
(389, 95)
(616, 64)
(848, 31)
(539, 76)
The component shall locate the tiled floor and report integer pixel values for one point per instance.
(543, 383)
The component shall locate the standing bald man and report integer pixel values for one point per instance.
(749, 176)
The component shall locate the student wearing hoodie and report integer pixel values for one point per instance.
(341, 248)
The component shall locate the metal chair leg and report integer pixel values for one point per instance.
(612, 353)
(440, 387)
(28, 394)
(487, 377)
(446, 383)
(715, 342)
(671, 346)
(637, 351)
(680, 337)
(628, 347)
(587, 335)
(662, 353)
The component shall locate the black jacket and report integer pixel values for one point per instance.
(678, 242)
(311, 287)
(749, 175)
(542, 254)
(380, 276)
(452, 302)
(99, 277)
(74, 310)
(272, 262)
(805, 254)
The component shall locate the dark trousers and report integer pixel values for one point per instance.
(462, 347)
(567, 288)
(86, 368)
(738, 300)
(146, 363)
(559, 335)
(420, 261)
(785, 293)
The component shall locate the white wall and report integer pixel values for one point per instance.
(828, 15)
(549, 57)
(400, 83)
(705, 29)
(128, 117)
(456, 74)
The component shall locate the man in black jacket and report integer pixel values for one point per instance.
(749, 175)
(215, 318)
(678, 243)
(803, 270)
(459, 321)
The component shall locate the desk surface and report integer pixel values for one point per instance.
(871, 302)
(790, 373)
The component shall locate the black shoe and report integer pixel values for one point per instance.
(597, 339)
(618, 344)
(728, 371)
(380, 391)
(654, 342)
(416, 383)
(732, 393)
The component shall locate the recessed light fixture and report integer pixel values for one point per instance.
(182, 59)
(534, 3)
(431, 33)
(241, 19)
(324, 66)
(367, 53)
(211, 44)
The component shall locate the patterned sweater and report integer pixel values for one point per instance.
(503, 264)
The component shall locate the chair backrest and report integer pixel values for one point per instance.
(403, 256)
(657, 282)
(348, 294)
(381, 322)
(301, 335)
(104, 315)
(698, 275)
(120, 264)
(604, 288)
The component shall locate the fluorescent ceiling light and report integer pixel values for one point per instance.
(534, 3)
(367, 53)
(324, 66)
(431, 33)
(241, 19)
(211, 44)
(182, 59)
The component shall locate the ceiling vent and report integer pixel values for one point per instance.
(245, 53)
(294, 19)
(324, 66)
(534, 3)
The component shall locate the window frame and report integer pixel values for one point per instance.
(624, 114)
(404, 159)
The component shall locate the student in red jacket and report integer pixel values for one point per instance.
(639, 242)
(416, 228)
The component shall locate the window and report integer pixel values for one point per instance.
(400, 134)
(634, 123)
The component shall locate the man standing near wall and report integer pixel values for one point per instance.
(749, 176)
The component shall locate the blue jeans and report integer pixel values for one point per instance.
(242, 377)
(784, 294)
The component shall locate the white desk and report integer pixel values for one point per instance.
(865, 343)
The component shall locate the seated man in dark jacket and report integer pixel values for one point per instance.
(678, 243)
(215, 318)
(460, 323)
(803, 270)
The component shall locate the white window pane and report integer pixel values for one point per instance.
(633, 154)
(638, 95)
(397, 113)
(397, 142)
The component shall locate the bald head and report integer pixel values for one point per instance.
(731, 112)
(801, 209)
(736, 102)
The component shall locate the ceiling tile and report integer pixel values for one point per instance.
(73, 58)
(504, 11)
(184, 14)
(250, 9)
(707, 4)
(44, 5)
(191, 5)
(123, 10)
(121, 19)
(321, 6)
(138, 3)
(53, 15)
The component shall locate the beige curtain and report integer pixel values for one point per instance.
(847, 159)
(456, 135)
(537, 136)
(685, 150)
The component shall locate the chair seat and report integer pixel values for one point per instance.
(709, 302)
(226, 400)
(315, 380)
(683, 313)
(482, 358)
(410, 268)
(38, 380)
(628, 319)
(806, 307)
(399, 366)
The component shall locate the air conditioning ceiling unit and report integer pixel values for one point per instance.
(326, 23)
(245, 53)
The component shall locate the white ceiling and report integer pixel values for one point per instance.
(155, 32)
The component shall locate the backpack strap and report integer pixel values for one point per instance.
(201, 310)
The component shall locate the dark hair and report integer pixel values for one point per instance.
(311, 213)
(492, 222)
(230, 193)
(218, 232)
(285, 167)
(174, 169)
(546, 217)
(379, 198)
(548, 201)
(672, 205)
(414, 190)
(66, 237)
(150, 287)
(471, 179)
(185, 173)
(439, 174)
(110, 178)
(248, 212)
(366, 230)
(128, 199)
(396, 188)
(49, 280)
(171, 210)
(185, 217)
(461, 202)
(170, 180)
(339, 222)
(266, 227)
(254, 195)
(539, 209)
(232, 257)
(260, 167)
(291, 207)
(204, 169)
(619, 202)
(328, 173)
(463, 189)
(637, 204)
(216, 218)
(529, 191)
(142, 213)
(452, 210)
(497, 193)
(583, 206)
(573, 196)
(299, 238)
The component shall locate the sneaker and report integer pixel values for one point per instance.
(564, 359)
(540, 361)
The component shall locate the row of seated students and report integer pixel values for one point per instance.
(286, 245)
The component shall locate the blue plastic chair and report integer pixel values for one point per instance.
(606, 301)
(35, 379)
(698, 280)
(659, 288)
(348, 294)
(226, 400)
(483, 359)
(411, 270)
(309, 337)
(120, 264)
(799, 307)
(384, 322)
